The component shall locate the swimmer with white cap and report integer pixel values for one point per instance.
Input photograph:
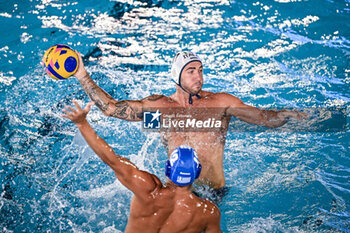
(154, 207)
(180, 61)
(187, 73)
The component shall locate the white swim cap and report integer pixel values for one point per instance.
(179, 62)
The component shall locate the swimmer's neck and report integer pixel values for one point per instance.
(177, 188)
(182, 97)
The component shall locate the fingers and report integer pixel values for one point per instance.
(71, 109)
(81, 72)
(79, 57)
(67, 116)
(79, 54)
(88, 106)
(67, 112)
(74, 114)
(76, 51)
(77, 105)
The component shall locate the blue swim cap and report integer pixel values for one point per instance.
(183, 166)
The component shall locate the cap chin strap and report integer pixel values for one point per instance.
(190, 98)
(190, 101)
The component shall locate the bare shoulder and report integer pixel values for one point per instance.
(154, 98)
(207, 94)
(226, 96)
(155, 101)
(223, 98)
(207, 215)
(213, 210)
(210, 211)
(146, 186)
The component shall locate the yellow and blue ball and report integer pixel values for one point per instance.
(60, 62)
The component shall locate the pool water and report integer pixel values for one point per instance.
(270, 54)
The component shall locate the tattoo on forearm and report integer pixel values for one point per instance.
(165, 141)
(95, 93)
(125, 111)
(121, 109)
(139, 115)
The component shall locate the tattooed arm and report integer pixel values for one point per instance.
(131, 110)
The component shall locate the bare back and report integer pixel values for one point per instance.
(154, 208)
(173, 209)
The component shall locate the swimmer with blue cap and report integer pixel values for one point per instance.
(155, 207)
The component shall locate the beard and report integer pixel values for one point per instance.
(194, 89)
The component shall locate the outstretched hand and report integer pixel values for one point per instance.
(78, 116)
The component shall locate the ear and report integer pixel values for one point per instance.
(167, 168)
(198, 171)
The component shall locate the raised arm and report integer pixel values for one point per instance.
(253, 115)
(141, 183)
(130, 110)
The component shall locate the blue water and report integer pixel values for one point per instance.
(270, 54)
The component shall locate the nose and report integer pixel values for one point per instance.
(197, 76)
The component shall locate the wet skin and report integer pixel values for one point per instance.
(154, 207)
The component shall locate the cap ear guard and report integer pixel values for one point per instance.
(167, 168)
(198, 171)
